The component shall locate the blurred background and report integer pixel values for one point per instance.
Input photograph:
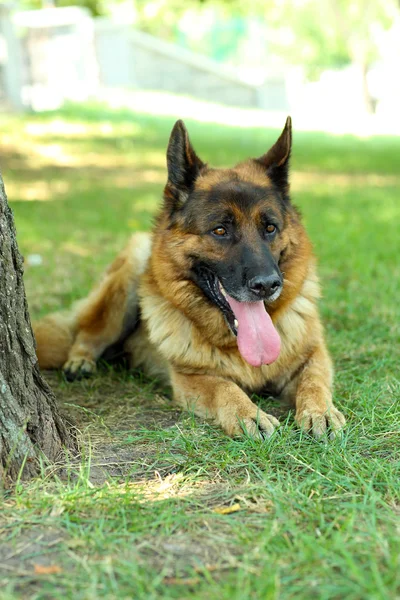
(89, 93)
(333, 64)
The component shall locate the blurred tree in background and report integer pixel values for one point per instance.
(95, 7)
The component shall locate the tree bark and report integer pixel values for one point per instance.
(30, 425)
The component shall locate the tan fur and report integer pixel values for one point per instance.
(185, 341)
(54, 337)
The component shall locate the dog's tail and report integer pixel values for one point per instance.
(54, 336)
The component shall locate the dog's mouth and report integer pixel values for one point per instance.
(216, 293)
(258, 340)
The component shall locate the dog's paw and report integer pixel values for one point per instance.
(251, 422)
(260, 427)
(319, 423)
(78, 368)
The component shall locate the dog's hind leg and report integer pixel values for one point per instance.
(54, 335)
(110, 311)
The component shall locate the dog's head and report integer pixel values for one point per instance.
(234, 229)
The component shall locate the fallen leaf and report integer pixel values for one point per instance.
(75, 249)
(255, 505)
(227, 510)
(47, 569)
(209, 568)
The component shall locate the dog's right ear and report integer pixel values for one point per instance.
(276, 160)
(183, 166)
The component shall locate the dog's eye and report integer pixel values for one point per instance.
(270, 228)
(219, 231)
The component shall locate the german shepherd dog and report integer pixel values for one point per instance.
(220, 300)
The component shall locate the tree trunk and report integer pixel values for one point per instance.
(30, 424)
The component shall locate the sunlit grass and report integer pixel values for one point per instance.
(136, 516)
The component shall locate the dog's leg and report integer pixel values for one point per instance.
(312, 391)
(100, 324)
(224, 402)
(103, 318)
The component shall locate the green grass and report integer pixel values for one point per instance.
(138, 515)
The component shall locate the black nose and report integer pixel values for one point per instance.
(265, 286)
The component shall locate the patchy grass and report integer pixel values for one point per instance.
(161, 504)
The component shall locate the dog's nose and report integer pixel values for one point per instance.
(265, 286)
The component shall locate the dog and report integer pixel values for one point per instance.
(219, 300)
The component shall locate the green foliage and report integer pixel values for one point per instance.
(328, 33)
(95, 7)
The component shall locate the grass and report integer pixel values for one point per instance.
(161, 504)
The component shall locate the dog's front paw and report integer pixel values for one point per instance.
(321, 423)
(249, 421)
(79, 368)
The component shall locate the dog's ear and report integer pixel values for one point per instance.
(276, 160)
(183, 166)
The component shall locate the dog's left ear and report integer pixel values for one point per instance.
(183, 166)
(276, 160)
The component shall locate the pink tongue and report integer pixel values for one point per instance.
(258, 341)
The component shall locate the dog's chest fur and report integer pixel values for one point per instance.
(176, 341)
